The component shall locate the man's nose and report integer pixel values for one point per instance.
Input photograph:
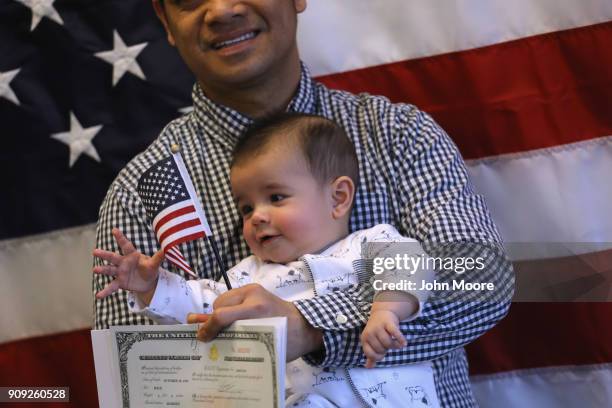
(223, 11)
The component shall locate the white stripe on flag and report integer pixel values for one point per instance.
(185, 267)
(174, 250)
(178, 262)
(177, 258)
(173, 237)
(570, 185)
(176, 221)
(46, 283)
(170, 210)
(366, 33)
(551, 387)
(196, 201)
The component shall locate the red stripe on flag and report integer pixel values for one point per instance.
(174, 257)
(185, 268)
(178, 260)
(531, 93)
(173, 215)
(176, 253)
(61, 360)
(178, 227)
(543, 335)
(186, 238)
(552, 334)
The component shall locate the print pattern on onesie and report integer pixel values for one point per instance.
(292, 277)
(375, 393)
(418, 396)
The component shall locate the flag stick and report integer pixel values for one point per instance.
(220, 263)
(176, 152)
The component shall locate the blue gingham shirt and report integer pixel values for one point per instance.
(411, 176)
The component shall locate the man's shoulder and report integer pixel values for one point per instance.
(367, 116)
(363, 103)
(127, 178)
(374, 122)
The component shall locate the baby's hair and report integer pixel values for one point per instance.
(325, 146)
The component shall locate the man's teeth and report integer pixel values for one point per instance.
(227, 43)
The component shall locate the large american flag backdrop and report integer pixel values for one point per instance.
(522, 86)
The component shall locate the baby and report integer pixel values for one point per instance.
(294, 179)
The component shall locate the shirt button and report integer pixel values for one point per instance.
(341, 319)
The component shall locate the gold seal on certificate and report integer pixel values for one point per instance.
(151, 366)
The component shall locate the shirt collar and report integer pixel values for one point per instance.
(304, 99)
(232, 123)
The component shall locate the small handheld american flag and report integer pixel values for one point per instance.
(169, 197)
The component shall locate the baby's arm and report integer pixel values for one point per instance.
(175, 298)
(382, 330)
(390, 307)
(164, 297)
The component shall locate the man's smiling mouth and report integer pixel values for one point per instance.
(234, 41)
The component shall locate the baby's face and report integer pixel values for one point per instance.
(286, 213)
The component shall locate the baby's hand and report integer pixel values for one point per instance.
(132, 271)
(381, 334)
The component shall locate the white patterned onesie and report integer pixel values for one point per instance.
(312, 275)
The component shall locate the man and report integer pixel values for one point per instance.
(245, 58)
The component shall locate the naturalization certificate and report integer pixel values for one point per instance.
(167, 366)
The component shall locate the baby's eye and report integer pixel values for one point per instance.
(245, 210)
(277, 197)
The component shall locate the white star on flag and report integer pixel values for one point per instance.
(40, 9)
(123, 58)
(5, 87)
(79, 140)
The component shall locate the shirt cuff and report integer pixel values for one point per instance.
(335, 314)
(335, 311)
(340, 349)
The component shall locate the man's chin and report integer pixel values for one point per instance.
(240, 72)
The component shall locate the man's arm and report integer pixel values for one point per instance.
(444, 325)
(438, 205)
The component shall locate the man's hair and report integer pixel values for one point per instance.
(326, 148)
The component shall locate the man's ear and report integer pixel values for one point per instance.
(300, 5)
(343, 192)
(161, 14)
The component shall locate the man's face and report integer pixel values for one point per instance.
(233, 43)
(286, 213)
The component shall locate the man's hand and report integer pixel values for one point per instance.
(251, 302)
(132, 271)
(381, 334)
